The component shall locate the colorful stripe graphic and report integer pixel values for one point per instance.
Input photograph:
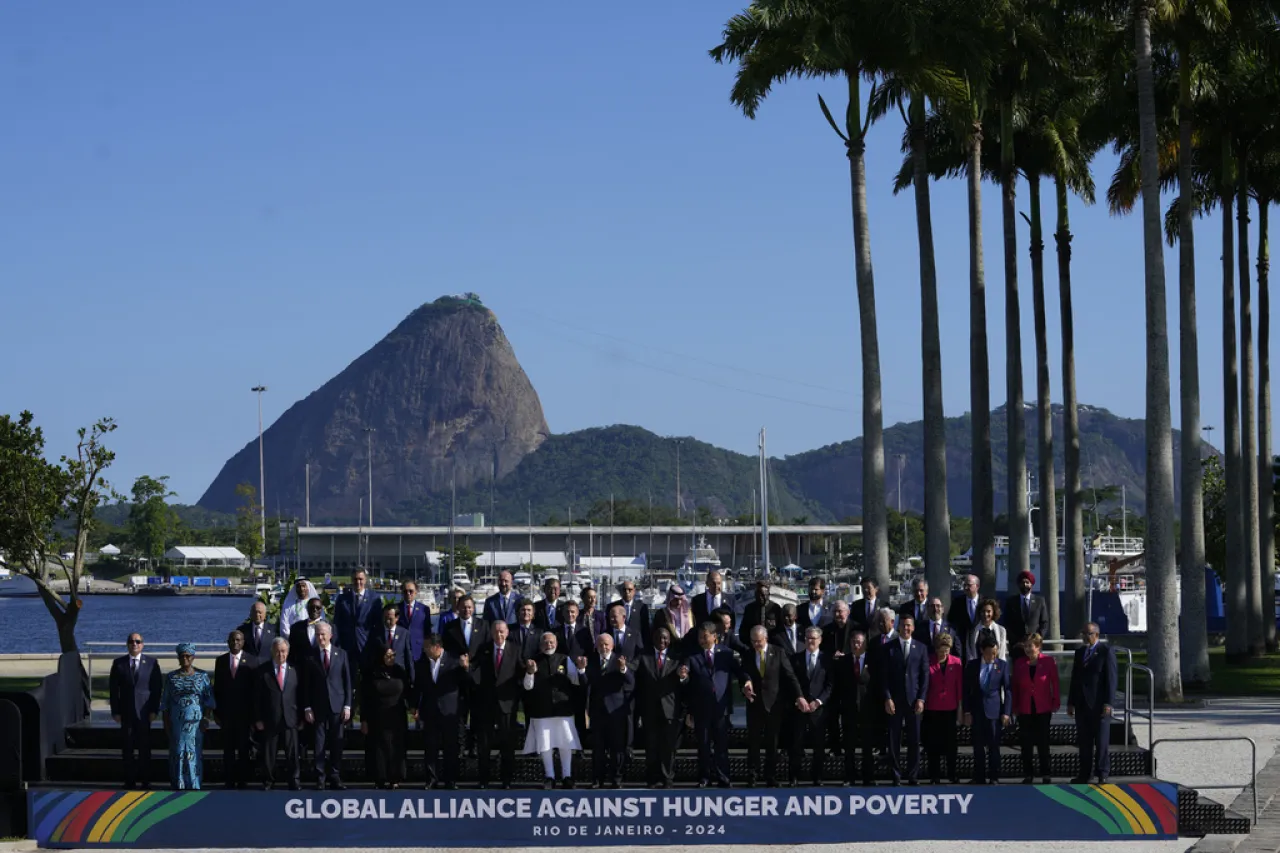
(106, 817)
(1119, 809)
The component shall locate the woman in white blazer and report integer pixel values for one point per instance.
(988, 620)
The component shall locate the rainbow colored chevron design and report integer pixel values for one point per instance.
(105, 817)
(1119, 809)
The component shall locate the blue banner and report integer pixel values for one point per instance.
(143, 819)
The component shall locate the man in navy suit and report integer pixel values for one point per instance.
(277, 715)
(1093, 691)
(497, 673)
(525, 635)
(816, 678)
(134, 687)
(467, 632)
(625, 641)
(545, 612)
(789, 635)
(918, 607)
(233, 686)
(816, 611)
(864, 614)
(762, 611)
(637, 613)
(901, 669)
(328, 705)
(441, 687)
(771, 690)
(935, 625)
(658, 688)
(501, 606)
(963, 614)
(414, 617)
(391, 636)
(988, 702)
(611, 679)
(707, 677)
(258, 636)
(357, 614)
(572, 639)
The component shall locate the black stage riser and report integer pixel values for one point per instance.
(1197, 817)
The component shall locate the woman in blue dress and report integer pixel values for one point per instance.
(187, 695)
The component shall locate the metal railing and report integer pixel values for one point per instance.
(1068, 648)
(112, 651)
(1253, 764)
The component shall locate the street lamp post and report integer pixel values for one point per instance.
(262, 475)
(368, 435)
(678, 500)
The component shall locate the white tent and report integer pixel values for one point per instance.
(109, 550)
(201, 555)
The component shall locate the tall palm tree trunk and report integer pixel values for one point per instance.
(1266, 475)
(1073, 618)
(1044, 415)
(1015, 414)
(937, 525)
(1192, 632)
(984, 555)
(1235, 580)
(1162, 592)
(1248, 436)
(875, 538)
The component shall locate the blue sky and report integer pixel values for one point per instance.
(202, 197)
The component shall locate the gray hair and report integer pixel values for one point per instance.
(919, 582)
(278, 642)
(813, 631)
(759, 631)
(325, 627)
(887, 613)
(841, 604)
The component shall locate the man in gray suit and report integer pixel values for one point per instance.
(328, 705)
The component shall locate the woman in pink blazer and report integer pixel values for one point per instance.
(1035, 698)
(942, 710)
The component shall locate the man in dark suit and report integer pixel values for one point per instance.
(816, 678)
(391, 636)
(497, 672)
(929, 630)
(233, 686)
(441, 685)
(988, 703)
(789, 635)
(918, 607)
(1024, 614)
(1093, 691)
(277, 714)
(134, 687)
(864, 614)
(707, 677)
(573, 640)
(467, 633)
(963, 614)
(611, 679)
(258, 636)
(501, 606)
(838, 633)
(637, 613)
(817, 611)
(901, 668)
(710, 601)
(357, 614)
(861, 712)
(625, 641)
(771, 689)
(546, 612)
(302, 635)
(762, 611)
(525, 635)
(658, 689)
(414, 617)
(328, 708)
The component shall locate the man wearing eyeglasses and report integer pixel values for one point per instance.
(1093, 690)
(134, 687)
(637, 613)
(415, 618)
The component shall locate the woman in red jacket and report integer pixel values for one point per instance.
(942, 710)
(1035, 698)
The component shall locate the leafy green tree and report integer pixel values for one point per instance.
(35, 495)
(248, 524)
(151, 521)
(461, 558)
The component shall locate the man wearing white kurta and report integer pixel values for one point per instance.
(548, 681)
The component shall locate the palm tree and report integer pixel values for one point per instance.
(773, 41)
(1266, 188)
(1162, 600)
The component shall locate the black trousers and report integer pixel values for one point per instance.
(904, 725)
(713, 748)
(441, 734)
(662, 738)
(330, 734)
(808, 731)
(1093, 736)
(938, 731)
(285, 738)
(136, 751)
(609, 738)
(495, 729)
(860, 735)
(236, 750)
(762, 731)
(1034, 732)
(986, 748)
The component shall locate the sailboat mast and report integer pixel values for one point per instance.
(764, 505)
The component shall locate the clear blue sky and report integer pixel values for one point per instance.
(201, 197)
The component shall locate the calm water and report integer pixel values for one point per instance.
(28, 627)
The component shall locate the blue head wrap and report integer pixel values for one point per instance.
(186, 649)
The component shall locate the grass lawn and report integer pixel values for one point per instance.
(1258, 677)
(18, 684)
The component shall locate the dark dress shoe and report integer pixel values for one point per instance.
(914, 783)
(1027, 780)
(548, 784)
(337, 785)
(295, 786)
(506, 786)
(451, 786)
(567, 783)
(1079, 780)
(614, 786)
(703, 783)
(935, 781)
(1102, 780)
(266, 786)
(896, 783)
(1046, 781)
(993, 781)
(320, 786)
(725, 783)
(771, 783)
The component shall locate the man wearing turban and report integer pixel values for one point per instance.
(1025, 614)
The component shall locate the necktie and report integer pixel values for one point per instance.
(906, 649)
(235, 664)
(408, 614)
(762, 663)
(791, 632)
(391, 638)
(618, 638)
(1088, 653)
(551, 614)
(466, 632)
(280, 677)
(1026, 608)
(884, 641)
(628, 611)
(326, 660)
(711, 658)
(857, 669)
(257, 636)
(133, 668)
(871, 609)
(498, 659)
(813, 661)
(986, 675)
(662, 657)
(435, 670)
(972, 604)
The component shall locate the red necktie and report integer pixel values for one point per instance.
(235, 664)
(497, 665)
(391, 637)
(326, 660)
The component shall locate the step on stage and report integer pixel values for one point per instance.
(66, 818)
